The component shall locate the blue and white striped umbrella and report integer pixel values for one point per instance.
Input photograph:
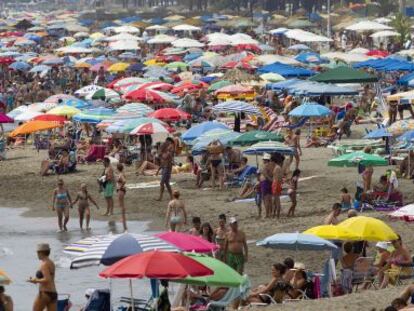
(268, 147)
(237, 107)
(39, 68)
(111, 248)
(136, 108)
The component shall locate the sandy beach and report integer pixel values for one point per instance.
(21, 186)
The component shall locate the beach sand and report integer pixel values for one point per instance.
(21, 186)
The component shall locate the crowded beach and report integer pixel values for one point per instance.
(254, 161)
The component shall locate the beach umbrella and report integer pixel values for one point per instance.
(4, 278)
(268, 147)
(118, 67)
(223, 136)
(368, 229)
(237, 106)
(126, 126)
(253, 137)
(103, 93)
(156, 265)
(187, 242)
(17, 111)
(224, 275)
(196, 131)
(310, 110)
(27, 115)
(407, 136)
(170, 114)
(50, 117)
(331, 232)
(176, 65)
(299, 47)
(64, 110)
(77, 103)
(5, 118)
(404, 213)
(150, 129)
(39, 68)
(34, 126)
(20, 66)
(296, 241)
(82, 92)
(358, 157)
(218, 85)
(145, 95)
(272, 77)
(137, 108)
(94, 115)
(107, 250)
(187, 43)
(54, 99)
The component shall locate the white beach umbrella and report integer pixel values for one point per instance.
(368, 26)
(161, 39)
(185, 27)
(126, 28)
(123, 36)
(123, 45)
(187, 43)
(385, 34)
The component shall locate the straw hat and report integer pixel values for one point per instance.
(43, 247)
(266, 156)
(299, 266)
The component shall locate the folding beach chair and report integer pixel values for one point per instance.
(362, 272)
(239, 180)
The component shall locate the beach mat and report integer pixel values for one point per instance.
(146, 185)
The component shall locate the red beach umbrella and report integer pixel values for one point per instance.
(169, 114)
(141, 95)
(50, 117)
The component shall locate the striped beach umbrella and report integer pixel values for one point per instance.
(268, 147)
(109, 249)
(136, 108)
(150, 129)
(94, 115)
(237, 106)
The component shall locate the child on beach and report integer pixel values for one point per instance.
(292, 191)
(83, 197)
(346, 199)
(195, 230)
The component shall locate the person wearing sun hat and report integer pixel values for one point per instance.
(45, 277)
(299, 280)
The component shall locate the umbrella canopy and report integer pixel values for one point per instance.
(296, 241)
(170, 114)
(331, 232)
(145, 95)
(237, 106)
(156, 265)
(272, 77)
(367, 25)
(150, 129)
(126, 126)
(224, 275)
(188, 242)
(5, 118)
(378, 133)
(369, 229)
(253, 137)
(269, 147)
(64, 110)
(137, 108)
(54, 99)
(118, 67)
(34, 126)
(94, 115)
(103, 93)
(310, 110)
(27, 115)
(344, 74)
(404, 213)
(4, 279)
(198, 130)
(218, 85)
(358, 157)
(77, 103)
(50, 117)
(109, 249)
(407, 136)
(87, 90)
(20, 66)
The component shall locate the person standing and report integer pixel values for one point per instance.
(292, 192)
(166, 164)
(60, 204)
(83, 197)
(6, 302)
(121, 191)
(220, 236)
(235, 248)
(107, 180)
(176, 213)
(46, 299)
(266, 178)
(277, 159)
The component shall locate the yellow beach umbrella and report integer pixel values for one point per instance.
(153, 62)
(332, 232)
(368, 229)
(64, 110)
(4, 279)
(82, 65)
(96, 35)
(118, 67)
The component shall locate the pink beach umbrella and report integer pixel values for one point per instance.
(5, 119)
(150, 129)
(187, 242)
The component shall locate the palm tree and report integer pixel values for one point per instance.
(401, 23)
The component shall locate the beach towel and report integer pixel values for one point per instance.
(96, 152)
(146, 185)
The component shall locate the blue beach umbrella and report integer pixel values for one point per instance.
(94, 115)
(378, 133)
(237, 106)
(296, 241)
(311, 109)
(39, 68)
(20, 66)
(77, 103)
(198, 130)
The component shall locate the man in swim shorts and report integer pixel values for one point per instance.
(235, 247)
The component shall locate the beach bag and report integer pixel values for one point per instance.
(337, 289)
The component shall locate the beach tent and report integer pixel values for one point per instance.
(344, 74)
(286, 70)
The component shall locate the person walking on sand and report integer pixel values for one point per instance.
(121, 191)
(107, 180)
(60, 203)
(166, 164)
(47, 297)
(82, 198)
(176, 213)
(235, 247)
(277, 159)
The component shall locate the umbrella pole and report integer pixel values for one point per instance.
(110, 294)
(132, 295)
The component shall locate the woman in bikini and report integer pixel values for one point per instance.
(292, 192)
(176, 213)
(121, 191)
(216, 150)
(220, 236)
(293, 141)
(61, 203)
(45, 277)
(83, 197)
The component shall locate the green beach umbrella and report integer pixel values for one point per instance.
(250, 138)
(218, 85)
(224, 275)
(359, 157)
(176, 65)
